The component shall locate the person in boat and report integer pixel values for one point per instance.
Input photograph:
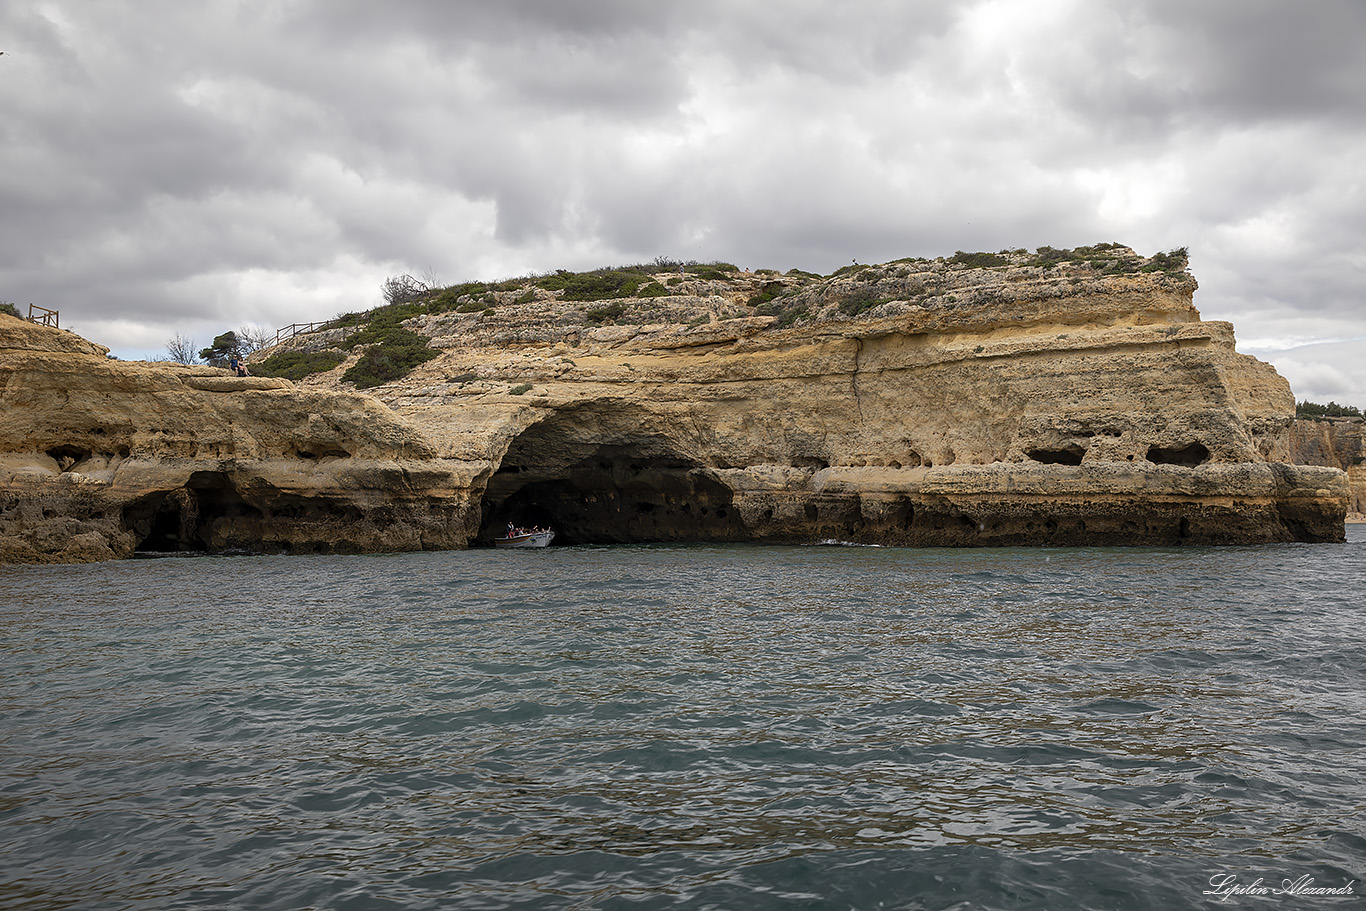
(512, 530)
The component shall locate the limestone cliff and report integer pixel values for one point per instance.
(946, 402)
(99, 458)
(1335, 443)
(927, 402)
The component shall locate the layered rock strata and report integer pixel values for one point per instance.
(1043, 431)
(1335, 443)
(945, 407)
(100, 458)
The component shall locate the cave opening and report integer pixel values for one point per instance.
(610, 486)
(189, 519)
(165, 524)
(67, 457)
(1072, 454)
(1188, 456)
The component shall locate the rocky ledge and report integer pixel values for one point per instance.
(101, 458)
(951, 404)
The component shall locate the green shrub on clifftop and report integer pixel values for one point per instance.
(1307, 409)
(394, 358)
(767, 293)
(716, 270)
(343, 321)
(295, 365)
(978, 260)
(607, 314)
(862, 299)
(385, 323)
(1171, 261)
(602, 284)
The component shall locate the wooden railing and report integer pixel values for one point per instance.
(294, 329)
(42, 316)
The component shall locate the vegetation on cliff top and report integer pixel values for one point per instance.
(1307, 409)
(295, 365)
(390, 360)
(390, 347)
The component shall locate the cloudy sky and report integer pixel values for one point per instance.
(191, 167)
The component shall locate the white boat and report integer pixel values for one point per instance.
(525, 539)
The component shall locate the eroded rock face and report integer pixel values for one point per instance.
(1335, 443)
(1009, 409)
(100, 458)
(1087, 418)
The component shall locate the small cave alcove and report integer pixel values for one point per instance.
(187, 520)
(1188, 456)
(1071, 454)
(630, 490)
(67, 457)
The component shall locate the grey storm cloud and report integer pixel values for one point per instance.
(170, 167)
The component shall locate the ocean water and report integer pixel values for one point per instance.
(701, 727)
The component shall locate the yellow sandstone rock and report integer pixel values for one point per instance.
(1011, 409)
(100, 457)
(1335, 443)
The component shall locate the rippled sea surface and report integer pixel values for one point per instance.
(687, 727)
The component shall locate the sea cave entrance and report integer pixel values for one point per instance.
(190, 519)
(606, 479)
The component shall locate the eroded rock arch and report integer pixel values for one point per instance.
(605, 474)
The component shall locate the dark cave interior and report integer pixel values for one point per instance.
(181, 521)
(630, 491)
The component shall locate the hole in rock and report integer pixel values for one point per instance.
(321, 452)
(1188, 456)
(606, 478)
(1068, 455)
(67, 456)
